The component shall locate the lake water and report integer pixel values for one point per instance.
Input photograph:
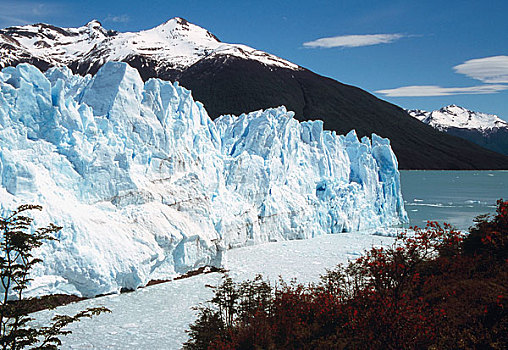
(455, 197)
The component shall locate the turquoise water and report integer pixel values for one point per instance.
(455, 197)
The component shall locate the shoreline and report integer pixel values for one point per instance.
(52, 301)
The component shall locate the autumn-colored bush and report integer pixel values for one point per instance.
(434, 288)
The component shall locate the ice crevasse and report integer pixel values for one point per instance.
(146, 186)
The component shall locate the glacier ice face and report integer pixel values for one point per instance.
(147, 186)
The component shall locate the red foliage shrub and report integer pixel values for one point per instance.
(434, 288)
(490, 237)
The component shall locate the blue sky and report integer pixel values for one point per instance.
(452, 52)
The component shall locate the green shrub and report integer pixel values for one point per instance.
(17, 243)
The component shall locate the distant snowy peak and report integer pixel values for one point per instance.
(461, 118)
(176, 43)
(486, 130)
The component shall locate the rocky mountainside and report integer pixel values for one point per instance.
(233, 78)
(486, 130)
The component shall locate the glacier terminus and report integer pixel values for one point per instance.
(146, 186)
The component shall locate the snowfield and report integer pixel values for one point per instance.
(146, 186)
(156, 317)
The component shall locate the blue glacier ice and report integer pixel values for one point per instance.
(146, 186)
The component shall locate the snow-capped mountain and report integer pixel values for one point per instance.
(147, 186)
(458, 117)
(234, 78)
(487, 130)
(175, 44)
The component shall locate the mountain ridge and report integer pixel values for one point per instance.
(234, 78)
(486, 130)
(176, 41)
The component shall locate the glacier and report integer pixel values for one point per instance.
(146, 186)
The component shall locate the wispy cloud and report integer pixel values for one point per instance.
(432, 90)
(353, 40)
(117, 19)
(24, 12)
(492, 70)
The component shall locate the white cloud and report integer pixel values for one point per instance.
(353, 40)
(432, 90)
(488, 70)
(117, 19)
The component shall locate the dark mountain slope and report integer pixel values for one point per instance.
(496, 141)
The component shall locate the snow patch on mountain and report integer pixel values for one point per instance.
(146, 186)
(176, 43)
(458, 117)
